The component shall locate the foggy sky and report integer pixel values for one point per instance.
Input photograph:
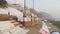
(50, 6)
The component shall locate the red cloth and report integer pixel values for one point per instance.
(42, 31)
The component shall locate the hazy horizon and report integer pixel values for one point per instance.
(49, 6)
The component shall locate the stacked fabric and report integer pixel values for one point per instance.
(44, 29)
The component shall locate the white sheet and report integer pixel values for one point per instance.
(18, 30)
(6, 33)
(15, 12)
(45, 27)
(5, 25)
(27, 19)
(15, 30)
(22, 32)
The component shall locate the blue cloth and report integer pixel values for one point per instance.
(55, 33)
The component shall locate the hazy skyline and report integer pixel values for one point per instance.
(50, 6)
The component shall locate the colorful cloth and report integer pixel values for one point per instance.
(44, 29)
